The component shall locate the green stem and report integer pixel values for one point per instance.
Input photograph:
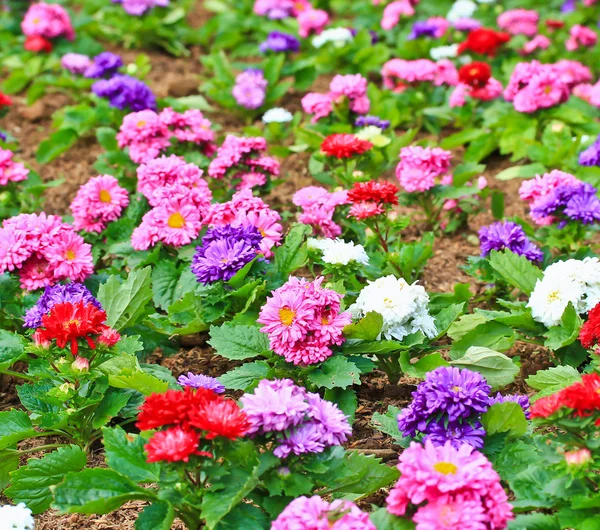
(37, 449)
(18, 374)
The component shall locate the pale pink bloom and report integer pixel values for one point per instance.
(365, 209)
(393, 12)
(321, 105)
(268, 225)
(458, 97)
(442, 25)
(583, 91)
(351, 86)
(190, 126)
(239, 153)
(579, 457)
(420, 166)
(482, 183)
(539, 42)
(581, 37)
(572, 73)
(318, 209)
(11, 171)
(446, 74)
(310, 196)
(519, 22)
(312, 21)
(543, 91)
(452, 512)
(492, 90)
(48, 21)
(251, 179)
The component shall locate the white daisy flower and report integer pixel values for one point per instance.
(339, 37)
(16, 517)
(277, 115)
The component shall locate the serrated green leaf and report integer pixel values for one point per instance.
(245, 377)
(367, 328)
(493, 335)
(12, 347)
(110, 406)
(165, 276)
(337, 371)
(505, 417)
(141, 381)
(293, 253)
(496, 367)
(388, 423)
(373, 347)
(9, 461)
(384, 520)
(534, 521)
(156, 516)
(552, 380)
(238, 342)
(567, 332)
(15, 426)
(516, 270)
(125, 454)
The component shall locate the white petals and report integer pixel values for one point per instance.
(16, 517)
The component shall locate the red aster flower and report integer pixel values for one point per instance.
(174, 445)
(69, 322)
(546, 406)
(555, 24)
(173, 407)
(364, 210)
(221, 417)
(5, 101)
(583, 397)
(475, 74)
(109, 337)
(344, 145)
(35, 43)
(484, 41)
(374, 191)
(590, 331)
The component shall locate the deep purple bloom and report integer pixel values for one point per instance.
(365, 121)
(125, 92)
(521, 399)
(423, 28)
(458, 433)
(591, 156)
(280, 42)
(105, 64)
(508, 235)
(224, 251)
(584, 206)
(57, 294)
(250, 89)
(201, 381)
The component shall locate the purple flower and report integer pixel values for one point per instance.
(71, 292)
(201, 381)
(224, 251)
(521, 399)
(139, 7)
(332, 422)
(304, 439)
(365, 121)
(125, 92)
(508, 235)
(591, 156)
(3, 136)
(105, 64)
(250, 89)
(458, 433)
(568, 6)
(280, 42)
(423, 28)
(76, 63)
(467, 24)
(584, 205)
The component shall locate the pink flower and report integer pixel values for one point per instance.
(539, 42)
(11, 171)
(579, 457)
(519, 22)
(351, 86)
(572, 73)
(70, 257)
(312, 21)
(420, 166)
(365, 209)
(398, 73)
(190, 126)
(393, 12)
(492, 90)
(580, 36)
(251, 179)
(267, 224)
(35, 274)
(321, 105)
(318, 207)
(48, 21)
(452, 512)
(97, 203)
(144, 134)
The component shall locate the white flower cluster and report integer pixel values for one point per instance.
(444, 52)
(575, 281)
(402, 306)
(16, 517)
(461, 9)
(339, 252)
(277, 115)
(339, 37)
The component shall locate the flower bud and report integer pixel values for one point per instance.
(284, 471)
(109, 337)
(40, 341)
(578, 458)
(81, 364)
(482, 182)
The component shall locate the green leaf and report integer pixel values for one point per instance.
(496, 367)
(245, 377)
(525, 171)
(337, 371)
(156, 516)
(15, 82)
(15, 426)
(498, 204)
(553, 379)
(110, 406)
(516, 270)
(31, 483)
(534, 521)
(384, 520)
(462, 137)
(141, 381)
(55, 145)
(165, 276)
(421, 366)
(388, 423)
(293, 254)
(367, 328)
(466, 324)
(9, 461)
(505, 417)
(125, 453)
(107, 138)
(373, 347)
(126, 302)
(12, 347)
(568, 331)
(195, 102)
(345, 399)
(96, 491)
(245, 517)
(493, 335)
(239, 342)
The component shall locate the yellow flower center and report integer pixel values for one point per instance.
(456, 389)
(176, 220)
(324, 321)
(36, 20)
(553, 297)
(473, 71)
(286, 315)
(105, 196)
(388, 302)
(445, 468)
(548, 89)
(70, 255)
(141, 123)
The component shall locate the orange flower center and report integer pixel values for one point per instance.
(36, 20)
(286, 315)
(70, 255)
(141, 123)
(548, 89)
(176, 220)
(445, 468)
(105, 196)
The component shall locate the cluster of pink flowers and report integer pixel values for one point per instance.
(310, 20)
(11, 171)
(98, 202)
(245, 209)
(491, 90)
(399, 74)
(48, 21)
(303, 321)
(342, 87)
(519, 22)
(581, 37)
(395, 10)
(460, 487)
(244, 159)
(147, 133)
(44, 250)
(318, 207)
(419, 167)
(539, 42)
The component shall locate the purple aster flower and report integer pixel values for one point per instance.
(76, 63)
(332, 422)
(139, 7)
(568, 6)
(508, 235)
(467, 24)
(365, 121)
(584, 205)
(248, 233)
(458, 433)
(302, 440)
(280, 42)
(105, 64)
(71, 292)
(591, 156)
(521, 399)
(2, 136)
(125, 92)
(423, 28)
(250, 89)
(201, 381)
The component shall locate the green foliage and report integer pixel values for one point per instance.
(497, 368)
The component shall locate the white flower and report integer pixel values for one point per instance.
(339, 252)
(16, 517)
(461, 9)
(277, 115)
(402, 306)
(444, 52)
(339, 37)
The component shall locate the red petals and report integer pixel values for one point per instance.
(475, 74)
(221, 417)
(590, 331)
(583, 398)
(173, 445)
(35, 43)
(5, 101)
(344, 146)
(374, 191)
(484, 41)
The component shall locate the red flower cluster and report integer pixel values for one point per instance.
(36, 43)
(475, 74)
(484, 41)
(68, 322)
(555, 24)
(5, 101)
(370, 198)
(344, 145)
(590, 331)
(190, 415)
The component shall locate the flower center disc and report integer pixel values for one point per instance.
(445, 468)
(286, 316)
(105, 196)
(176, 220)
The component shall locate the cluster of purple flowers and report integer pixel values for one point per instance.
(105, 64)
(447, 407)
(58, 294)
(224, 251)
(569, 202)
(300, 421)
(278, 41)
(250, 88)
(125, 92)
(508, 235)
(192, 380)
(591, 156)
(373, 121)
(423, 28)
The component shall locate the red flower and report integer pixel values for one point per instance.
(222, 417)
(68, 322)
(582, 397)
(109, 337)
(35, 43)
(590, 331)
(484, 41)
(5, 101)
(475, 74)
(174, 445)
(555, 24)
(546, 406)
(373, 191)
(344, 145)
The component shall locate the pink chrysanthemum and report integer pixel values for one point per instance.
(519, 22)
(452, 512)
(398, 74)
(190, 126)
(420, 166)
(48, 21)
(11, 171)
(321, 105)
(97, 203)
(70, 257)
(580, 36)
(318, 207)
(144, 134)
